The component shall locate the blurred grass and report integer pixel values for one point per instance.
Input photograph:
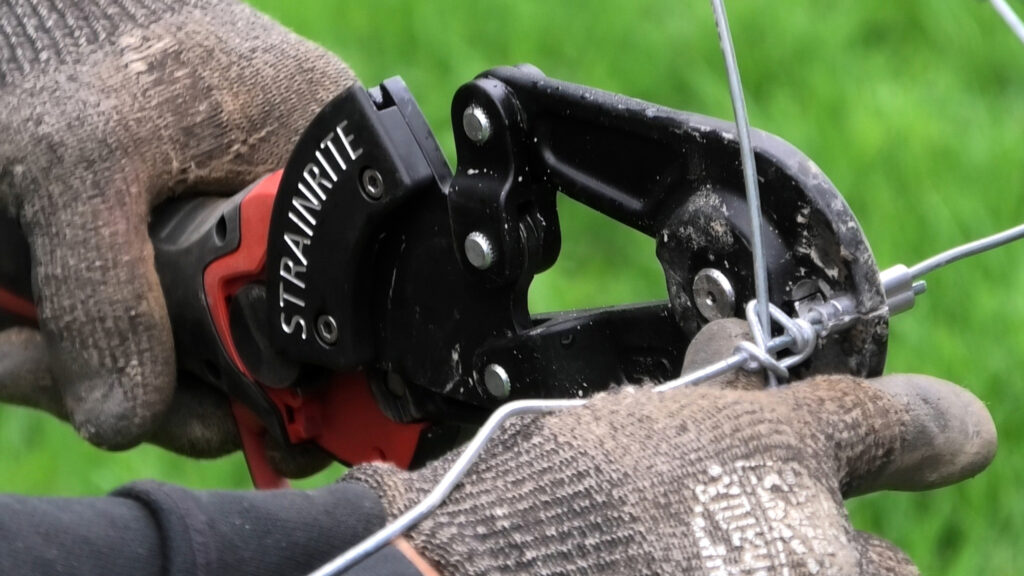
(915, 110)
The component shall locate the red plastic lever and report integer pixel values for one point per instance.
(342, 416)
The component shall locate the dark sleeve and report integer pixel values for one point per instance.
(151, 529)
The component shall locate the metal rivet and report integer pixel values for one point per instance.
(327, 329)
(479, 250)
(373, 184)
(497, 381)
(714, 295)
(476, 124)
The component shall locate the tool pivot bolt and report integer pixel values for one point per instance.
(476, 124)
(479, 250)
(713, 294)
(497, 381)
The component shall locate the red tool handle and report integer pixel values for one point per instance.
(221, 245)
(342, 416)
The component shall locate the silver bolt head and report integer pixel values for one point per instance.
(497, 381)
(373, 184)
(479, 250)
(714, 295)
(327, 329)
(476, 124)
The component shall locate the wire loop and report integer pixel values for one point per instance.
(758, 359)
(802, 334)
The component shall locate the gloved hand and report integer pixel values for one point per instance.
(714, 479)
(110, 107)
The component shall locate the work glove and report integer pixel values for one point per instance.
(108, 108)
(724, 478)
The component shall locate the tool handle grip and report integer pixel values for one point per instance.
(188, 235)
(210, 255)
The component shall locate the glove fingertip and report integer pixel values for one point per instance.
(199, 422)
(117, 389)
(102, 314)
(298, 460)
(113, 414)
(950, 435)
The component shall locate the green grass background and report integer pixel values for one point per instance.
(914, 108)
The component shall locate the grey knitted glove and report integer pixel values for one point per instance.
(109, 107)
(708, 480)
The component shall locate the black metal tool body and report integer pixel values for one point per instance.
(415, 305)
(378, 261)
